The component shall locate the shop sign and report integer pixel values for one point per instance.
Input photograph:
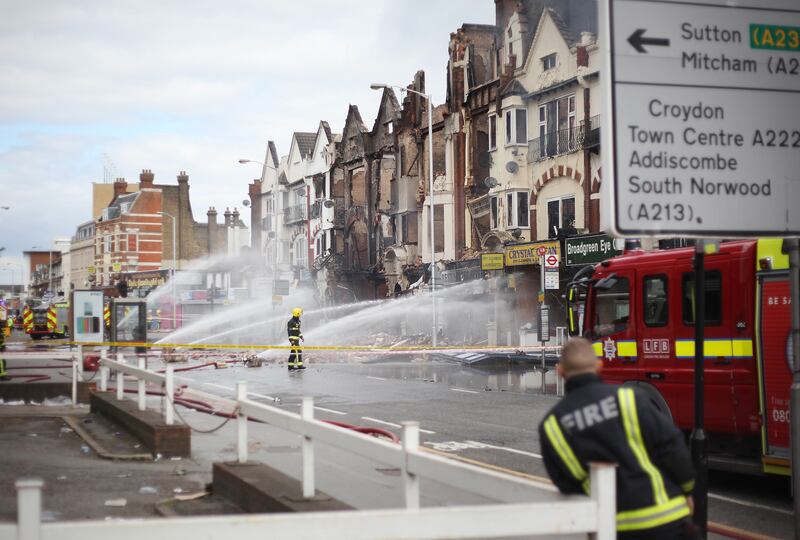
(141, 280)
(525, 254)
(492, 261)
(589, 249)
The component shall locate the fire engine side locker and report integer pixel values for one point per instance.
(774, 372)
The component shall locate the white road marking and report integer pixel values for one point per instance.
(376, 378)
(370, 419)
(507, 449)
(262, 396)
(465, 391)
(456, 446)
(218, 386)
(331, 410)
(427, 431)
(750, 504)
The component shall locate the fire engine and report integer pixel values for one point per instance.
(638, 311)
(50, 321)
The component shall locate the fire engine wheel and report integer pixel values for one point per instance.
(36, 337)
(652, 394)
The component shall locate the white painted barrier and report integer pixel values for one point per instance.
(528, 507)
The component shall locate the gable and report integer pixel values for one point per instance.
(549, 39)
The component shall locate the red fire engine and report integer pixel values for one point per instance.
(638, 310)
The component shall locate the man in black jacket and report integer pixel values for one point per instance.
(596, 422)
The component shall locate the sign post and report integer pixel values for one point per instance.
(688, 148)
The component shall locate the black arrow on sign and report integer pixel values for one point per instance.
(637, 39)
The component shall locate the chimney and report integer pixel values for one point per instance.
(146, 179)
(120, 187)
(235, 218)
(254, 191)
(183, 178)
(227, 215)
(212, 228)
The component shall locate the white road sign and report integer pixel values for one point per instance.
(705, 123)
(551, 280)
(551, 261)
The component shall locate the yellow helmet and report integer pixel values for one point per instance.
(296, 312)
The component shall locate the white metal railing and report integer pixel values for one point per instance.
(578, 515)
(529, 507)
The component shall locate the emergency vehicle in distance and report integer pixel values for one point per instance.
(638, 311)
(46, 321)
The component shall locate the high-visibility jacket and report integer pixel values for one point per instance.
(293, 329)
(597, 422)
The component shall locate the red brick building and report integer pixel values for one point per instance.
(128, 235)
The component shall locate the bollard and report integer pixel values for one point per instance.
(603, 482)
(103, 371)
(169, 394)
(142, 390)
(307, 414)
(241, 422)
(74, 383)
(410, 481)
(120, 378)
(29, 508)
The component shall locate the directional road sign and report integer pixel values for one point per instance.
(551, 261)
(704, 134)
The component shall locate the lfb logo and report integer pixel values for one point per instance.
(655, 346)
(610, 349)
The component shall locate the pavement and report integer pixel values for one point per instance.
(480, 415)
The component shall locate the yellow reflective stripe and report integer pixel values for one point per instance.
(712, 348)
(562, 448)
(742, 347)
(598, 348)
(687, 486)
(626, 348)
(630, 420)
(653, 516)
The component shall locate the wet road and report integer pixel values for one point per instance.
(489, 416)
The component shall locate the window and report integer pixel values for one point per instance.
(438, 227)
(517, 209)
(557, 127)
(492, 131)
(107, 243)
(713, 298)
(522, 209)
(300, 252)
(299, 195)
(493, 212)
(133, 241)
(656, 303)
(549, 61)
(516, 121)
(408, 225)
(612, 309)
(560, 214)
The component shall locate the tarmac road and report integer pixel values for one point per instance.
(484, 415)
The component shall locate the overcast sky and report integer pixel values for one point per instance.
(188, 85)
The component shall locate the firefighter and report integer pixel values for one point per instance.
(10, 324)
(596, 422)
(295, 336)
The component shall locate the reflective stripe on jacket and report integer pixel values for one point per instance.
(602, 423)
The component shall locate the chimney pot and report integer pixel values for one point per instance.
(146, 179)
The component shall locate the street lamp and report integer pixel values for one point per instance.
(381, 86)
(274, 212)
(172, 277)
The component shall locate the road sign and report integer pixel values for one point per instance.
(551, 280)
(541, 251)
(580, 250)
(551, 261)
(704, 137)
(492, 261)
(91, 270)
(116, 267)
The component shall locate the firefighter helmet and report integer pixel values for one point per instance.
(296, 312)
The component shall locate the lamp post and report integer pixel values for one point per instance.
(274, 212)
(172, 273)
(379, 86)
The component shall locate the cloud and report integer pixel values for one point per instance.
(189, 85)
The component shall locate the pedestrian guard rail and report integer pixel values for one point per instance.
(526, 508)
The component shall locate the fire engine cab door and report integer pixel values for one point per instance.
(613, 330)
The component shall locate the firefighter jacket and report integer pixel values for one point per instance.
(596, 422)
(293, 328)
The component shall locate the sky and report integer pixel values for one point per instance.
(95, 88)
